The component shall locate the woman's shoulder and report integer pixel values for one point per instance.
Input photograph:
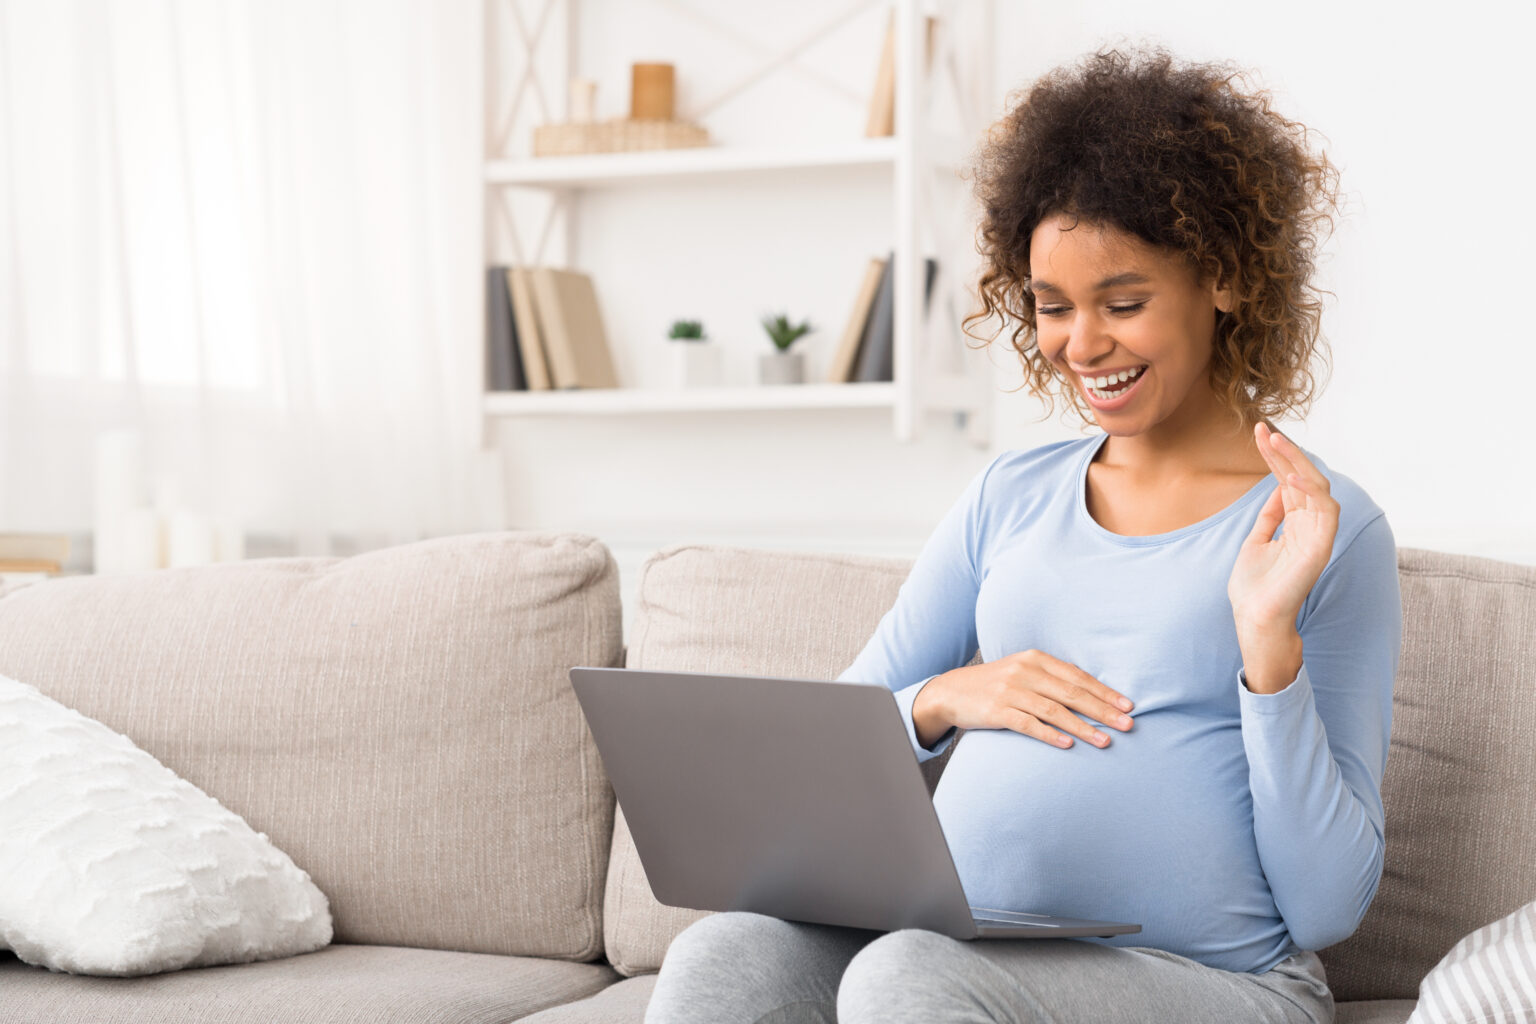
(1044, 460)
(1019, 479)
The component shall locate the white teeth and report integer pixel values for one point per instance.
(1112, 378)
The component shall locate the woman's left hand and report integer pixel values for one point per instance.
(1273, 575)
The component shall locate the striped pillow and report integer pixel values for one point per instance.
(1488, 977)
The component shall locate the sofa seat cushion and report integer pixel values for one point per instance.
(1374, 1011)
(1460, 785)
(344, 984)
(620, 1003)
(400, 722)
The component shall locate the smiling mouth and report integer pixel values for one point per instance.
(1113, 389)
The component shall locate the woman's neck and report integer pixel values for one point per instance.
(1199, 441)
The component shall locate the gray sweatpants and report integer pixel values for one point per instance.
(745, 968)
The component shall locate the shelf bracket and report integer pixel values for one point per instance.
(529, 75)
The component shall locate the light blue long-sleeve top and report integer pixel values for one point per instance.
(1236, 828)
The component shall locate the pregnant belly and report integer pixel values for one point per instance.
(1156, 829)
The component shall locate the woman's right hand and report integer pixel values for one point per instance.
(1028, 692)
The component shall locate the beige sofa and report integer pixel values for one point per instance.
(401, 724)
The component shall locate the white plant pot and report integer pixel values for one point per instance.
(781, 368)
(695, 364)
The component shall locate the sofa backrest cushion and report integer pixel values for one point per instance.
(1460, 785)
(704, 608)
(399, 722)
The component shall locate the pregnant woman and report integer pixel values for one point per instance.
(1188, 626)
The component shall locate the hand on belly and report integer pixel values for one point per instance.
(1030, 692)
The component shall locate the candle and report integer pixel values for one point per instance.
(140, 545)
(650, 92)
(189, 539)
(118, 488)
(228, 540)
(583, 100)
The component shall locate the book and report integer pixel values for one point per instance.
(875, 358)
(519, 374)
(526, 328)
(877, 349)
(53, 547)
(882, 101)
(503, 363)
(846, 357)
(574, 338)
(29, 565)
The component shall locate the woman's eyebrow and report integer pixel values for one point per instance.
(1128, 277)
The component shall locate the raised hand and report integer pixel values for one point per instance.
(1272, 577)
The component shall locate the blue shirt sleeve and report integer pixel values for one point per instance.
(1317, 750)
(931, 627)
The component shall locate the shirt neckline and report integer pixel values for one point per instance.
(1262, 488)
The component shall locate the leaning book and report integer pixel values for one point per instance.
(574, 337)
(503, 361)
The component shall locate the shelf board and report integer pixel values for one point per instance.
(608, 401)
(654, 165)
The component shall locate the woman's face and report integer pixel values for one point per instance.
(1107, 302)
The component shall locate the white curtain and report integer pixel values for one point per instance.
(240, 275)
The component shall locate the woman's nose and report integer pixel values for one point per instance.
(1087, 340)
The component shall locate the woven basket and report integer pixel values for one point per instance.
(617, 135)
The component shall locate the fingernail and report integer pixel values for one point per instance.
(1100, 738)
(1125, 704)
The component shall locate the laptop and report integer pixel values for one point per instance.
(800, 799)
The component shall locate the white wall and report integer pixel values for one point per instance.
(1424, 118)
(1428, 117)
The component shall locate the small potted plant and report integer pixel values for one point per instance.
(781, 366)
(695, 359)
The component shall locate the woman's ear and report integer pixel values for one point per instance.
(1221, 295)
(1221, 292)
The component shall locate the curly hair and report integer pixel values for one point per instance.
(1180, 156)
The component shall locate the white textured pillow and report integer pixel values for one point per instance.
(112, 864)
(1488, 977)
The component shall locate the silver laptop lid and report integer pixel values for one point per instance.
(728, 813)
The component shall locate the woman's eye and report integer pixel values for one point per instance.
(1056, 311)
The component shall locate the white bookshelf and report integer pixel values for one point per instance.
(608, 169)
(929, 144)
(618, 401)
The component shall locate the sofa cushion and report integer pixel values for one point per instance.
(340, 984)
(620, 1003)
(399, 722)
(1374, 1011)
(707, 608)
(1460, 784)
(115, 866)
